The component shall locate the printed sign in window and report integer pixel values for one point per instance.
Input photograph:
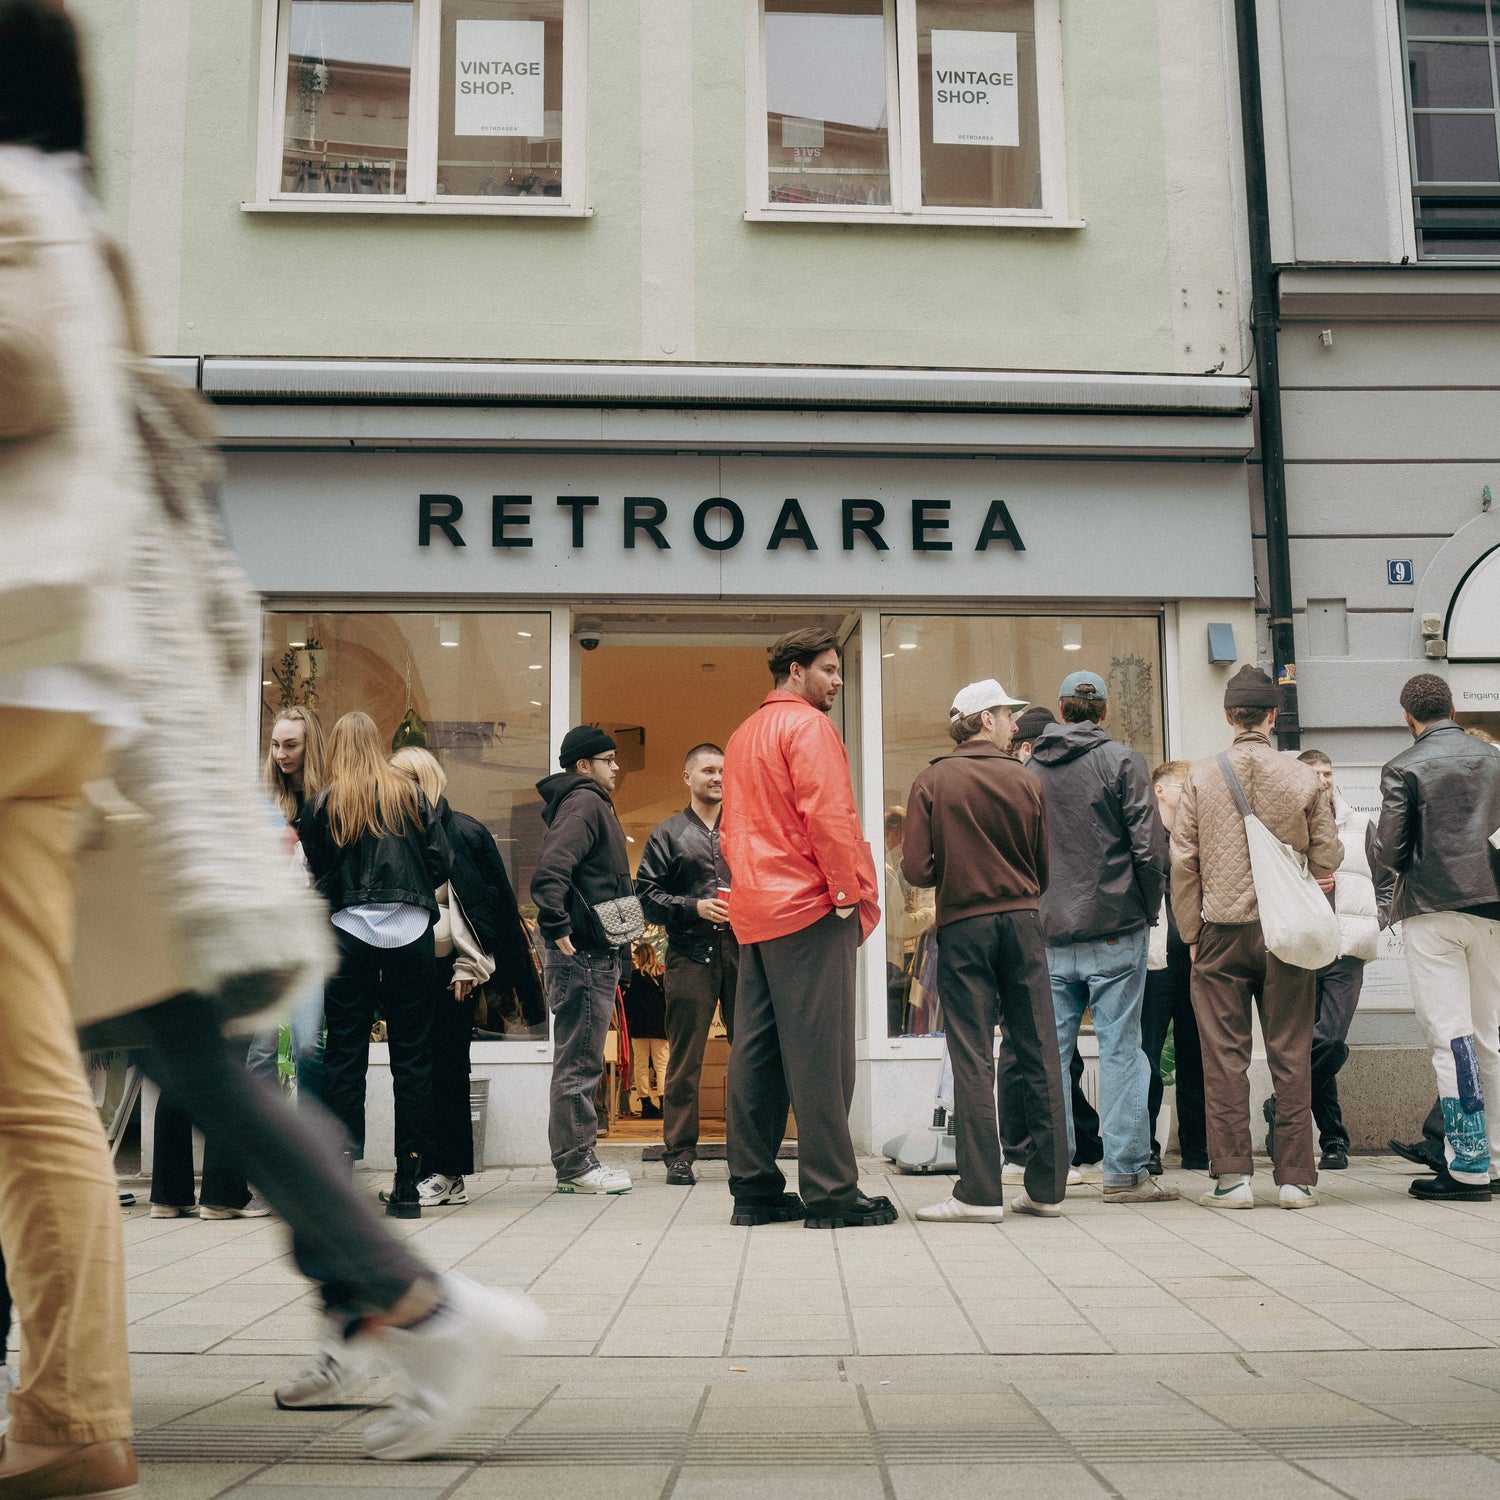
(975, 101)
(497, 78)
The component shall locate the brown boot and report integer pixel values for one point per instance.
(100, 1471)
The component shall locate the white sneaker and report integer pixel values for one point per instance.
(339, 1368)
(1021, 1204)
(597, 1180)
(174, 1210)
(1013, 1171)
(1296, 1195)
(1075, 1177)
(438, 1189)
(1230, 1191)
(951, 1211)
(446, 1366)
(8, 1383)
(256, 1208)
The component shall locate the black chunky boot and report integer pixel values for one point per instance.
(402, 1202)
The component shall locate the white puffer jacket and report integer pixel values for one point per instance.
(1353, 890)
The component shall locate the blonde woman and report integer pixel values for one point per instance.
(484, 889)
(294, 772)
(377, 855)
(646, 1020)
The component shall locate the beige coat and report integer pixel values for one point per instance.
(1211, 879)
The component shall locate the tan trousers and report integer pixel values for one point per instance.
(1231, 972)
(59, 1213)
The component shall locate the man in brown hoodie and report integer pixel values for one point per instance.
(976, 830)
(1213, 897)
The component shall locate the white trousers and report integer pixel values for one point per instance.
(648, 1069)
(1453, 961)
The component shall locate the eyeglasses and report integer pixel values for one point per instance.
(608, 760)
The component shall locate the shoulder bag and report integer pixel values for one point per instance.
(1298, 922)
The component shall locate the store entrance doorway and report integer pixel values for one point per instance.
(661, 684)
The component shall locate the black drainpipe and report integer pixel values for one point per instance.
(1265, 324)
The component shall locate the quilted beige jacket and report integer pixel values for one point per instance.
(1210, 856)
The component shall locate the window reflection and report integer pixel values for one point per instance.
(348, 96)
(925, 659)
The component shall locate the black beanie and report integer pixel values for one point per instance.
(1032, 723)
(1251, 688)
(583, 742)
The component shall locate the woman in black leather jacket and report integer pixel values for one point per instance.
(489, 903)
(376, 851)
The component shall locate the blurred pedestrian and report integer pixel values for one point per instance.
(1339, 983)
(804, 899)
(489, 907)
(976, 831)
(377, 855)
(1213, 897)
(683, 880)
(1109, 861)
(583, 865)
(1435, 859)
(646, 1021)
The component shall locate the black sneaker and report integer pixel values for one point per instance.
(783, 1210)
(1446, 1188)
(1153, 1166)
(680, 1172)
(863, 1213)
(1334, 1159)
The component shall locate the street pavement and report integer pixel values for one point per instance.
(1143, 1352)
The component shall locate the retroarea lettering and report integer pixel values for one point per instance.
(495, 77)
(959, 87)
(719, 524)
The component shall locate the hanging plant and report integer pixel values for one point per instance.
(296, 674)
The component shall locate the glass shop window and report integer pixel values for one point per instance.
(925, 659)
(471, 688)
(911, 108)
(429, 102)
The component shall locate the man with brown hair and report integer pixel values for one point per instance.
(803, 900)
(1213, 897)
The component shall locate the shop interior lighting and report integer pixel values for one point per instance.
(906, 636)
(536, 702)
(448, 632)
(1072, 636)
(536, 666)
(296, 634)
(524, 634)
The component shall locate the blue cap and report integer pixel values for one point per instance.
(1084, 685)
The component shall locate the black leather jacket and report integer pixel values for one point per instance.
(1439, 804)
(678, 870)
(407, 867)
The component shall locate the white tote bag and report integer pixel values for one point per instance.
(1296, 918)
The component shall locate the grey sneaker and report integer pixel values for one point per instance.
(256, 1208)
(174, 1210)
(1149, 1191)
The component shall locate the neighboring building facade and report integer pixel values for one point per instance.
(1381, 126)
(568, 351)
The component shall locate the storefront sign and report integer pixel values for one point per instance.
(975, 101)
(497, 77)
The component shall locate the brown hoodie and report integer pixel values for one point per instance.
(976, 829)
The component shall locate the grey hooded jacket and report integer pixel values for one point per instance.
(1107, 845)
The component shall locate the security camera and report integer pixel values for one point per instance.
(588, 633)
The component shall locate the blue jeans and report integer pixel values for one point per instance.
(581, 996)
(1108, 975)
(306, 1029)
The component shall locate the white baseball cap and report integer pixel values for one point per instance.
(979, 696)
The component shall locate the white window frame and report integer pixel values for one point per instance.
(906, 205)
(421, 196)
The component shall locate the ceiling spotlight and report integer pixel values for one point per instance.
(296, 634)
(536, 702)
(524, 634)
(906, 636)
(536, 666)
(1072, 636)
(886, 655)
(448, 632)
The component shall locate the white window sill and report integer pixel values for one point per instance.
(506, 208)
(927, 219)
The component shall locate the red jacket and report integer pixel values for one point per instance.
(790, 830)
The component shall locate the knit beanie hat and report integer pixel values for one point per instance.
(1250, 688)
(1032, 723)
(583, 742)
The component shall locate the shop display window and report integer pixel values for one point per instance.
(906, 108)
(426, 102)
(472, 688)
(925, 659)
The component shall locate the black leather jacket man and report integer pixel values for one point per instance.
(1430, 851)
(682, 865)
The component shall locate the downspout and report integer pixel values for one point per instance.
(1265, 325)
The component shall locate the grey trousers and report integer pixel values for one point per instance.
(794, 1044)
(995, 968)
(693, 989)
(581, 996)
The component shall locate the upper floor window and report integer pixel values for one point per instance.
(1453, 97)
(907, 110)
(457, 105)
